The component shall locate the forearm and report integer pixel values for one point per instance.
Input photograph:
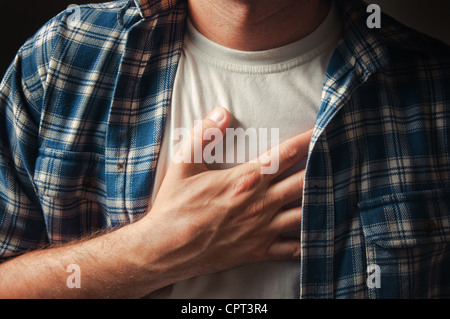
(113, 265)
(202, 221)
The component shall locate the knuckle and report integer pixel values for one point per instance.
(246, 181)
(198, 131)
(289, 154)
(257, 210)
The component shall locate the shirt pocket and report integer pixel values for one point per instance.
(71, 191)
(407, 236)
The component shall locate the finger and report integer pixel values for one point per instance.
(284, 249)
(286, 221)
(190, 156)
(287, 190)
(278, 159)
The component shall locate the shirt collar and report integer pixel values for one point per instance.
(150, 8)
(368, 48)
(361, 52)
(364, 48)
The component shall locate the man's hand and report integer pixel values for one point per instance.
(211, 220)
(201, 222)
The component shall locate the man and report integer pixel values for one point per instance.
(85, 109)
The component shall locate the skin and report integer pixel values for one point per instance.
(202, 221)
(255, 25)
(217, 220)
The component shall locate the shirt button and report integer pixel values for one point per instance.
(119, 166)
(429, 226)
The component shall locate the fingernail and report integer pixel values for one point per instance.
(217, 115)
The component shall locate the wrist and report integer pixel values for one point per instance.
(161, 252)
(150, 254)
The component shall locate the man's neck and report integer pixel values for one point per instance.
(256, 25)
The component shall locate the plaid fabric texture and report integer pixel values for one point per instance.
(82, 113)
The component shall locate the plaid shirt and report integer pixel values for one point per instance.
(82, 114)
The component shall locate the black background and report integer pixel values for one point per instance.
(20, 19)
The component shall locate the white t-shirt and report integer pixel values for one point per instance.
(275, 89)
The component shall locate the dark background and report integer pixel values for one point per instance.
(20, 19)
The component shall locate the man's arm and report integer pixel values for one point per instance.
(112, 265)
(202, 222)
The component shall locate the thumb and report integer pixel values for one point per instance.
(190, 156)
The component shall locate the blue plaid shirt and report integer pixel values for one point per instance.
(82, 115)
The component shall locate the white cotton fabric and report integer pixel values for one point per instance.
(275, 89)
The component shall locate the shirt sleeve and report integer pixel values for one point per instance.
(22, 225)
